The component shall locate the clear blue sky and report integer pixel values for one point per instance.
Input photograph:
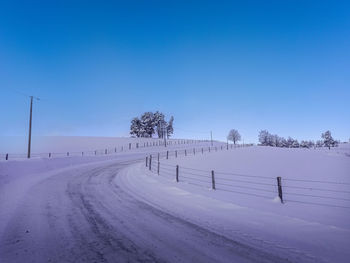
(277, 65)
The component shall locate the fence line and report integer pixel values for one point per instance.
(110, 150)
(206, 179)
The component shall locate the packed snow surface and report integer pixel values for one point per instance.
(112, 208)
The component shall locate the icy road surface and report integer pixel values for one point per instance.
(81, 214)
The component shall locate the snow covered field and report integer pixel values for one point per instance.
(313, 223)
(110, 207)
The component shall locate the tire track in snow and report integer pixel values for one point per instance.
(83, 216)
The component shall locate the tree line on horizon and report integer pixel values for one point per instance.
(267, 139)
(150, 123)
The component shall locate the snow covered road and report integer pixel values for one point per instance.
(83, 215)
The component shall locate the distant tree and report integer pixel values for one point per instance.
(170, 129)
(159, 121)
(328, 140)
(276, 140)
(292, 143)
(136, 127)
(319, 143)
(267, 139)
(283, 142)
(311, 144)
(295, 144)
(264, 137)
(304, 144)
(234, 136)
(148, 125)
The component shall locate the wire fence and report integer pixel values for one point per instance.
(110, 150)
(332, 194)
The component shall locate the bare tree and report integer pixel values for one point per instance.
(234, 136)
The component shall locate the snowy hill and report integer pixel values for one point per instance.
(316, 192)
(111, 207)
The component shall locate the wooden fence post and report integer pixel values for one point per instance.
(150, 162)
(158, 168)
(49, 155)
(7, 156)
(177, 173)
(167, 154)
(115, 149)
(146, 161)
(212, 180)
(129, 146)
(279, 185)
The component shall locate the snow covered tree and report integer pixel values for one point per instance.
(170, 129)
(328, 140)
(304, 144)
(292, 143)
(267, 139)
(311, 144)
(295, 144)
(264, 137)
(319, 143)
(283, 142)
(159, 122)
(136, 127)
(234, 136)
(276, 140)
(148, 125)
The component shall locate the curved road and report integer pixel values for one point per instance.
(84, 216)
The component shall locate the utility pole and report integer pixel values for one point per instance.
(211, 138)
(30, 125)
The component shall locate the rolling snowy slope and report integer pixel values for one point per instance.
(245, 205)
(110, 207)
